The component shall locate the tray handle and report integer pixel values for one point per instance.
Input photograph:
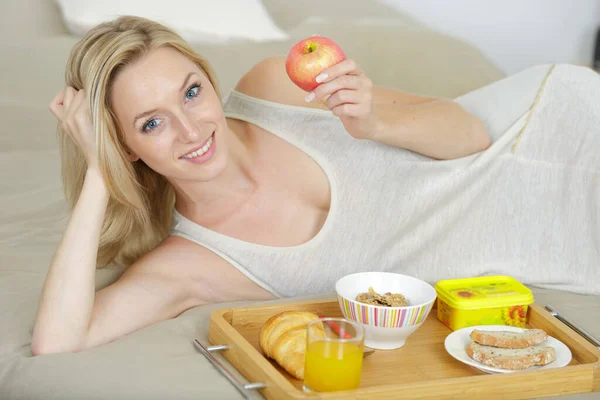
(582, 332)
(243, 388)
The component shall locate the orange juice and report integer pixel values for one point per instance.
(332, 366)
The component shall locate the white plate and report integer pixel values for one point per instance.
(457, 341)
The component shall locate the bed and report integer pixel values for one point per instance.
(161, 362)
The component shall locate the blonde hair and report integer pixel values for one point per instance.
(141, 201)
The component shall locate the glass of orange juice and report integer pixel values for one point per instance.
(334, 355)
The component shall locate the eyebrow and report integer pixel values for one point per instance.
(145, 113)
(187, 78)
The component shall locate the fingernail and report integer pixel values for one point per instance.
(321, 77)
(309, 97)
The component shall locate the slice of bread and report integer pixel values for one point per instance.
(513, 359)
(509, 340)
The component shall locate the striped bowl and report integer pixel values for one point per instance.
(386, 327)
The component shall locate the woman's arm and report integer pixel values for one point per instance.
(174, 277)
(65, 307)
(437, 128)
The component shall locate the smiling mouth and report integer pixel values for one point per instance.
(201, 150)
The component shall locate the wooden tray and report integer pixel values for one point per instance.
(422, 369)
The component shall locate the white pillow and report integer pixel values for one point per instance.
(197, 21)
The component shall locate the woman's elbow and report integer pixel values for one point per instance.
(472, 138)
(39, 348)
(42, 347)
(479, 138)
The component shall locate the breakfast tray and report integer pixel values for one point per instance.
(422, 369)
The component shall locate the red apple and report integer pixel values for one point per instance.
(307, 58)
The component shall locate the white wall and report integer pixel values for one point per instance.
(515, 34)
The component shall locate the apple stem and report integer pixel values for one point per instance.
(310, 48)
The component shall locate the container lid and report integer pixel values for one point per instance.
(483, 292)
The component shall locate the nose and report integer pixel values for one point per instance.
(189, 130)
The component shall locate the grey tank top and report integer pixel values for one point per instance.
(398, 211)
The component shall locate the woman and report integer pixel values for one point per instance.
(277, 193)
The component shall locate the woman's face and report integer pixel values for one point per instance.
(171, 116)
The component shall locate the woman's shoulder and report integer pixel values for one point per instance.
(186, 256)
(268, 80)
(194, 269)
(172, 250)
(166, 256)
(178, 261)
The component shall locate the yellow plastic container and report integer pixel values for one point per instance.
(488, 300)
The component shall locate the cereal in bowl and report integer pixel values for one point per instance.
(387, 300)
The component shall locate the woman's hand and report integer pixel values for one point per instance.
(71, 109)
(349, 96)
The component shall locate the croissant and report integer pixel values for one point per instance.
(283, 339)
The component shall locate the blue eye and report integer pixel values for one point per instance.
(192, 92)
(154, 123)
(150, 125)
